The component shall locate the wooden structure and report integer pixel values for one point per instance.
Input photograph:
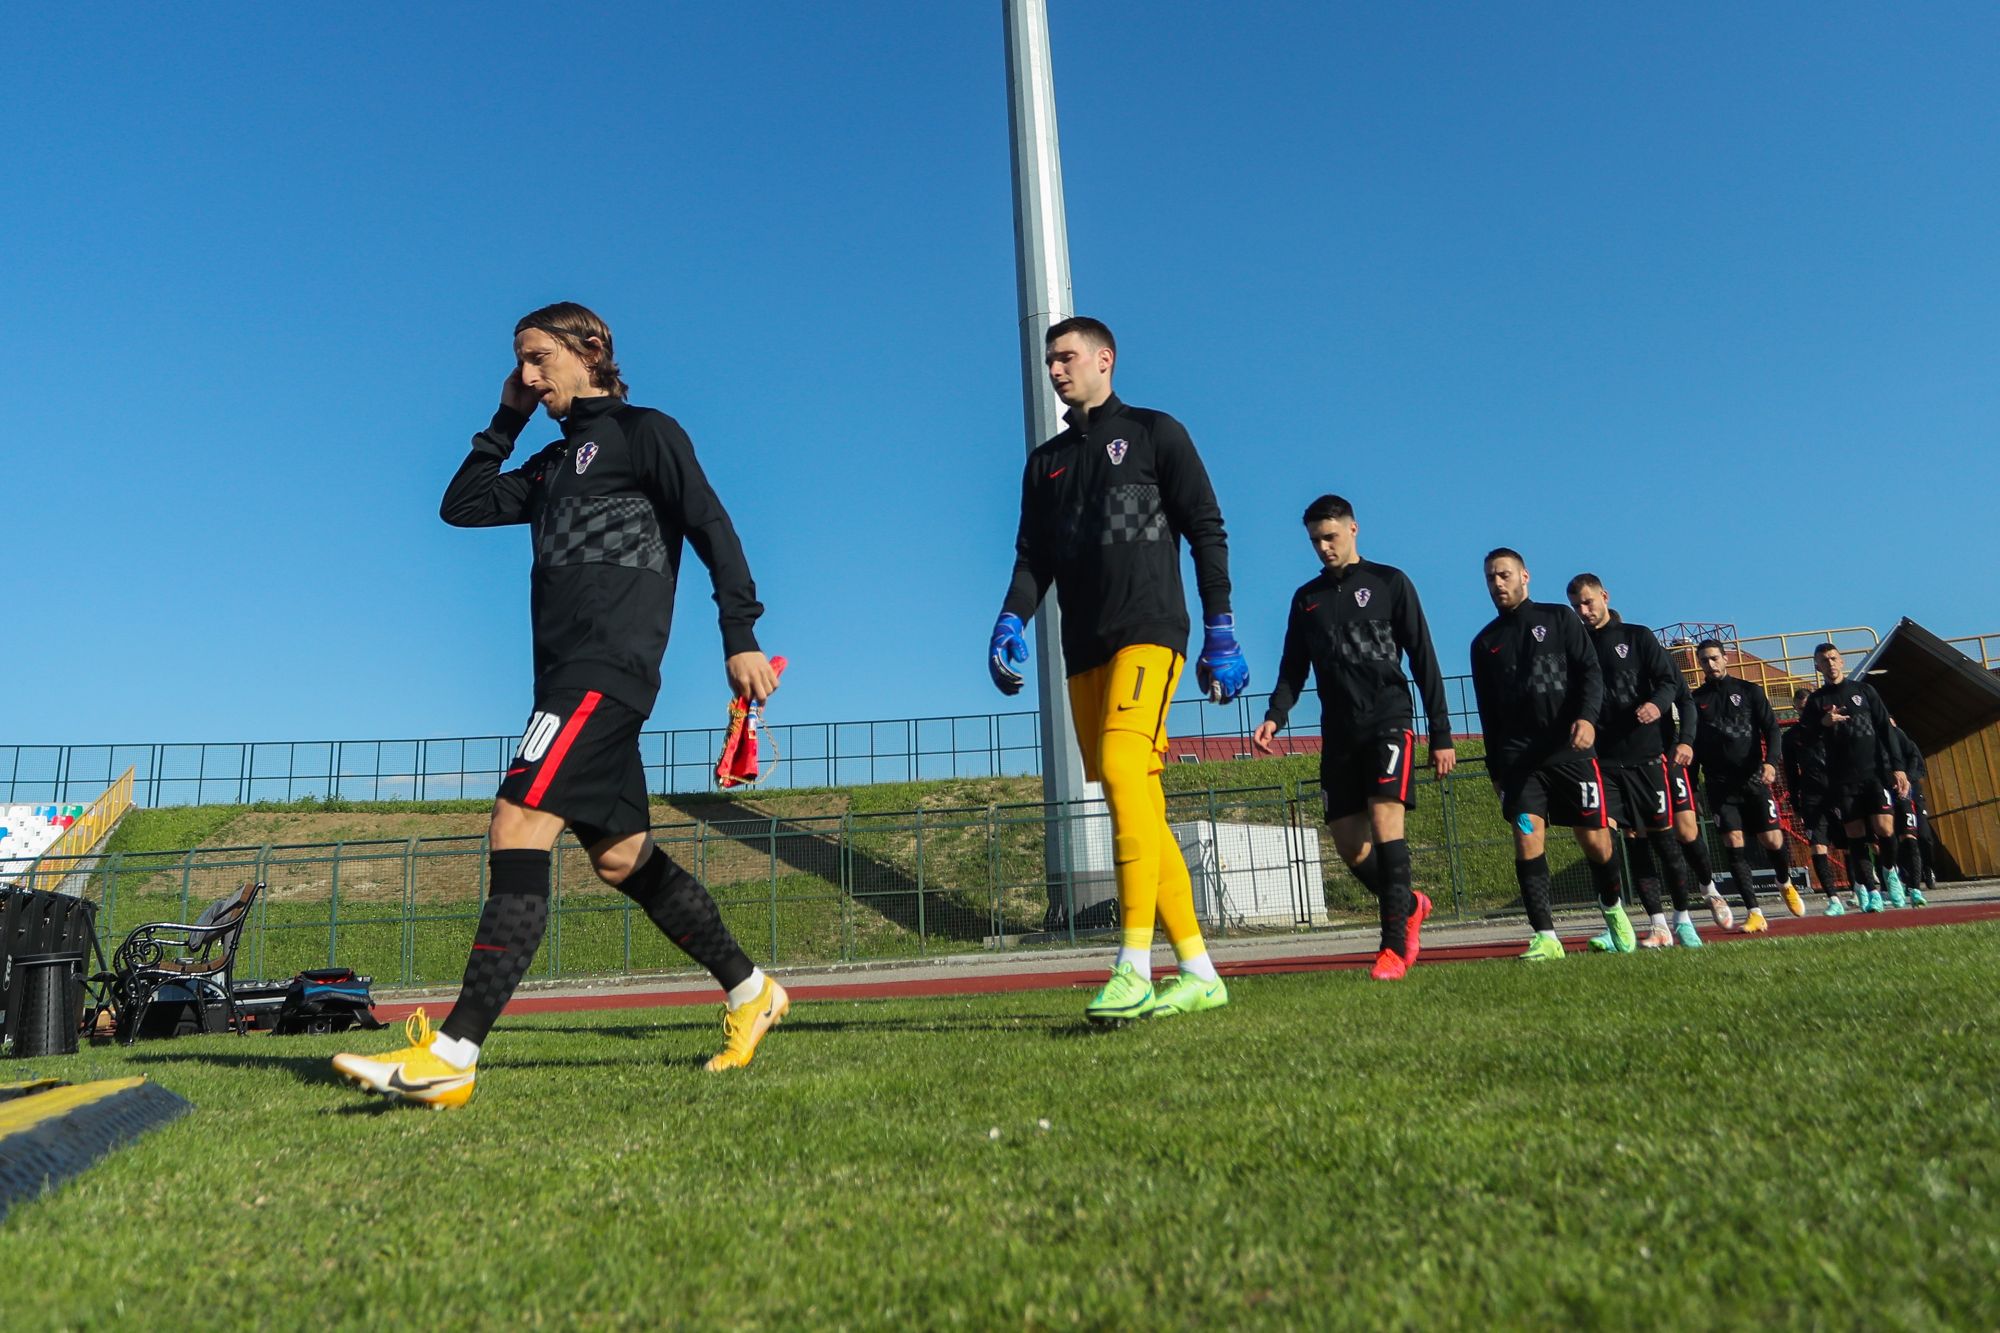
(1950, 706)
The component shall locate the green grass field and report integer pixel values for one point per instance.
(1799, 1134)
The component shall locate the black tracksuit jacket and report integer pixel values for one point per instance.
(1636, 671)
(1739, 731)
(1857, 750)
(1352, 627)
(1104, 507)
(1904, 756)
(1534, 674)
(1806, 776)
(610, 504)
(1682, 723)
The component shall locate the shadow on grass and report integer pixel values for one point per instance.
(304, 1068)
(941, 1026)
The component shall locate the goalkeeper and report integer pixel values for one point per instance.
(1104, 507)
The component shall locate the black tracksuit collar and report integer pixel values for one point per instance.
(584, 413)
(1078, 419)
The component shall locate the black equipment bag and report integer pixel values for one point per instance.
(330, 999)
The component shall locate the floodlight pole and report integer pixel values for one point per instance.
(1041, 265)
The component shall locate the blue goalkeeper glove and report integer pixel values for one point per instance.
(1221, 671)
(1009, 651)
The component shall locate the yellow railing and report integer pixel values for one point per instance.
(1781, 663)
(1981, 648)
(64, 855)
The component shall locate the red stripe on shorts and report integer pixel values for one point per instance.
(561, 747)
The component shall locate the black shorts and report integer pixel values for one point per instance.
(1913, 817)
(579, 758)
(1638, 795)
(1680, 789)
(1742, 805)
(1567, 793)
(1860, 802)
(1817, 823)
(1379, 769)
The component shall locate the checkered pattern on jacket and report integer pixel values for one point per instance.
(601, 530)
(1365, 641)
(1133, 514)
(1549, 674)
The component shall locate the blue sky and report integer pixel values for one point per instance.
(1702, 298)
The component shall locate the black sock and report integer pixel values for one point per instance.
(676, 902)
(1781, 863)
(1673, 867)
(1696, 855)
(1393, 860)
(1645, 874)
(1739, 870)
(1861, 862)
(1604, 878)
(1533, 877)
(1908, 864)
(1368, 871)
(1823, 871)
(1885, 857)
(1929, 872)
(511, 922)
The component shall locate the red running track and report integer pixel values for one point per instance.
(971, 982)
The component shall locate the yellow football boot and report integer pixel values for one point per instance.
(745, 1026)
(412, 1074)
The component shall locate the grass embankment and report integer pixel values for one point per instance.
(1799, 1134)
(886, 871)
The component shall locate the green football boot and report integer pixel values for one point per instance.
(1543, 949)
(1618, 939)
(1126, 996)
(1189, 994)
(1687, 936)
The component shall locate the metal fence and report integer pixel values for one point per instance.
(816, 754)
(682, 760)
(809, 890)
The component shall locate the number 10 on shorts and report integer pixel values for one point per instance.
(535, 741)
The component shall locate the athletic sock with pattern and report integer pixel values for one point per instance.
(1533, 877)
(1604, 878)
(1393, 858)
(511, 924)
(1861, 863)
(1739, 870)
(1368, 871)
(1673, 867)
(1645, 875)
(1699, 866)
(675, 901)
(1909, 864)
(1823, 872)
(1781, 863)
